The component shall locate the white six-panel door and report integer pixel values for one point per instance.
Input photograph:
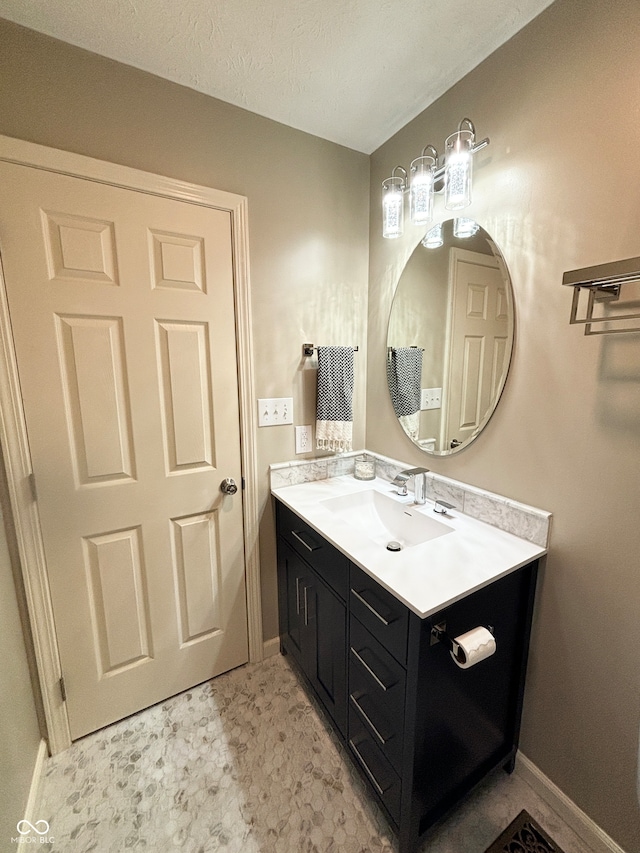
(122, 312)
(478, 336)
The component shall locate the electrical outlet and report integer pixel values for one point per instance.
(274, 411)
(303, 439)
(431, 398)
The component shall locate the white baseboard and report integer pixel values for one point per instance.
(34, 791)
(571, 814)
(271, 647)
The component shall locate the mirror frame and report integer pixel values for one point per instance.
(502, 264)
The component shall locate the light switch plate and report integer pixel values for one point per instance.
(431, 398)
(274, 411)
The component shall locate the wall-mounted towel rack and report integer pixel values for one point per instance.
(393, 349)
(307, 349)
(603, 283)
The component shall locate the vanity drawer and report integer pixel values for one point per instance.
(381, 775)
(379, 611)
(329, 563)
(373, 671)
(385, 732)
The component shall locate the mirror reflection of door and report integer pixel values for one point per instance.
(477, 341)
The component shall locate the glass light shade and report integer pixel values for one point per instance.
(464, 227)
(421, 190)
(392, 207)
(458, 170)
(433, 238)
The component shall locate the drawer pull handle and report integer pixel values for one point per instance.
(313, 547)
(297, 596)
(384, 621)
(365, 767)
(368, 720)
(369, 670)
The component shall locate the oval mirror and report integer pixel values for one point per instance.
(450, 336)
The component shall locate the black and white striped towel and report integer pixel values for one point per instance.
(334, 427)
(404, 377)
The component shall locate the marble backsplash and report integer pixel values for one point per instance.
(514, 517)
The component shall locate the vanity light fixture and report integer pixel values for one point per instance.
(428, 174)
(433, 238)
(603, 285)
(422, 171)
(458, 150)
(393, 203)
(464, 227)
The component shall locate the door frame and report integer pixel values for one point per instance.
(13, 433)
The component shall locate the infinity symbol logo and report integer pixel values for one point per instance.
(24, 827)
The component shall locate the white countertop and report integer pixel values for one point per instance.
(428, 576)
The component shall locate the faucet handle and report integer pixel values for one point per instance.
(419, 480)
(401, 480)
(442, 506)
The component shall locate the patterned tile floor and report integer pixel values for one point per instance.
(244, 764)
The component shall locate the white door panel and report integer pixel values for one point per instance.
(478, 329)
(123, 317)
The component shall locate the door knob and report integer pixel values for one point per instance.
(228, 486)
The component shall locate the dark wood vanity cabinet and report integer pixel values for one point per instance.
(312, 585)
(422, 731)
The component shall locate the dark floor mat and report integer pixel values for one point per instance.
(524, 835)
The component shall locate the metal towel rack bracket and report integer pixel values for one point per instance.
(307, 349)
(603, 285)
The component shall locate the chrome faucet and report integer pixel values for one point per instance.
(419, 483)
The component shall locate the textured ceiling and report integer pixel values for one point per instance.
(352, 71)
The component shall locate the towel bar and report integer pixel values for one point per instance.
(603, 285)
(307, 349)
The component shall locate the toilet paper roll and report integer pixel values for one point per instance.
(472, 647)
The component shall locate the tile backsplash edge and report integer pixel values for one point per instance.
(521, 520)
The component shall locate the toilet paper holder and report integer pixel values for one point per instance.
(439, 635)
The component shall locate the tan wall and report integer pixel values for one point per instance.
(308, 211)
(559, 188)
(19, 731)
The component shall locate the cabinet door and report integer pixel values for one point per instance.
(313, 631)
(326, 649)
(293, 580)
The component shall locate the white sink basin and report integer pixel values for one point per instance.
(383, 519)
